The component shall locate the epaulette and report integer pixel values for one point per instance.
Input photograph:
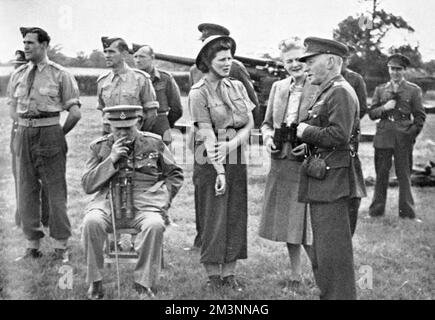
(165, 72)
(142, 73)
(56, 65)
(20, 68)
(101, 139)
(102, 76)
(197, 85)
(412, 84)
(152, 135)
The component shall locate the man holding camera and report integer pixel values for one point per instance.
(394, 103)
(135, 178)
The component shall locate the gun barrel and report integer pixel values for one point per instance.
(175, 59)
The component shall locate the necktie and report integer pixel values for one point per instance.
(31, 79)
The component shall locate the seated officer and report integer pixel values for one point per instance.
(141, 162)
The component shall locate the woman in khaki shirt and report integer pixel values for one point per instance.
(221, 111)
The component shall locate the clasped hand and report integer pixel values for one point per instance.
(221, 149)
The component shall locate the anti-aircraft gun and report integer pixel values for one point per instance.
(263, 72)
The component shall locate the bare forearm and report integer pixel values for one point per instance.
(74, 115)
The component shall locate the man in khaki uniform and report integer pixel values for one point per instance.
(38, 91)
(398, 105)
(143, 159)
(125, 86)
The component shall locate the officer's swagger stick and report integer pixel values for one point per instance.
(115, 238)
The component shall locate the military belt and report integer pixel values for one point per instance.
(38, 122)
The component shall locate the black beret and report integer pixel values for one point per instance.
(213, 29)
(135, 47)
(41, 32)
(398, 60)
(315, 46)
(20, 57)
(106, 41)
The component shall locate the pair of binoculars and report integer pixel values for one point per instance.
(123, 195)
(286, 134)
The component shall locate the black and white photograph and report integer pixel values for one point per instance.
(236, 152)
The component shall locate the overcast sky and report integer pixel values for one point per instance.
(170, 26)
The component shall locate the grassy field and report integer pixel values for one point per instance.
(401, 254)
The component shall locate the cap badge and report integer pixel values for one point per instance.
(122, 116)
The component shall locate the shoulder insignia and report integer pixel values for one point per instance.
(101, 139)
(146, 75)
(102, 76)
(20, 68)
(412, 84)
(166, 73)
(151, 135)
(56, 65)
(199, 84)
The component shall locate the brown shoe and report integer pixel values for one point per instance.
(95, 291)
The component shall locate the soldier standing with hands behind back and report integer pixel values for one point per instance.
(394, 102)
(38, 92)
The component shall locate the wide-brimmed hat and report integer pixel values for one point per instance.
(123, 116)
(209, 41)
(315, 46)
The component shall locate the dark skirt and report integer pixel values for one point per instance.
(224, 218)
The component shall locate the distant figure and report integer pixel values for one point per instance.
(238, 71)
(393, 103)
(38, 92)
(125, 86)
(167, 91)
(358, 84)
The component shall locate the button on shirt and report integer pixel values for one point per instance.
(131, 87)
(208, 105)
(54, 89)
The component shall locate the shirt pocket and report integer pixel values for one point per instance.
(219, 115)
(50, 94)
(130, 94)
(20, 91)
